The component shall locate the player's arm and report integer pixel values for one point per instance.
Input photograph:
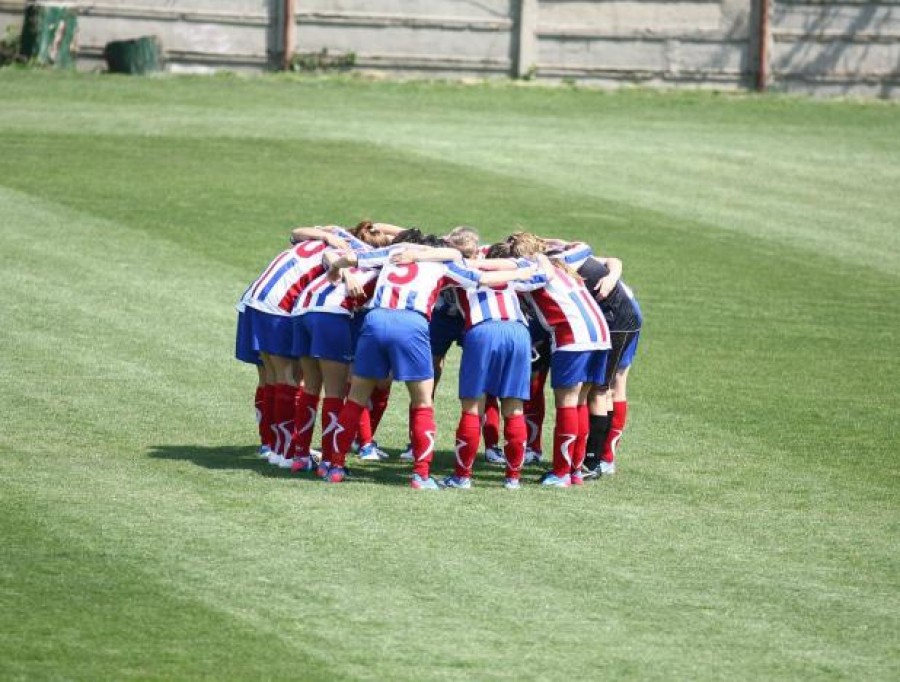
(495, 277)
(419, 253)
(492, 264)
(606, 284)
(299, 234)
(388, 229)
(336, 263)
(573, 253)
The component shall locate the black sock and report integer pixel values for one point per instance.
(597, 437)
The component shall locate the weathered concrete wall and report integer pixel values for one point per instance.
(816, 46)
(461, 37)
(657, 42)
(844, 47)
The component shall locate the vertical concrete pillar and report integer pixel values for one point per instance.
(289, 29)
(525, 38)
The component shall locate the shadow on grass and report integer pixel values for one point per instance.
(244, 457)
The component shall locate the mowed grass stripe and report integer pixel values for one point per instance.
(760, 166)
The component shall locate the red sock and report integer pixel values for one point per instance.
(422, 434)
(378, 403)
(534, 411)
(490, 427)
(584, 428)
(266, 426)
(514, 432)
(305, 410)
(467, 438)
(285, 397)
(364, 431)
(565, 433)
(616, 427)
(334, 430)
(259, 402)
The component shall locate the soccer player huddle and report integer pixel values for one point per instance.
(338, 317)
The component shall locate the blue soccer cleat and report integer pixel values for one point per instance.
(461, 482)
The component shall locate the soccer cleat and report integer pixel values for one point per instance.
(552, 480)
(315, 455)
(606, 468)
(575, 478)
(336, 475)
(322, 469)
(264, 452)
(532, 456)
(419, 483)
(461, 482)
(275, 458)
(286, 463)
(302, 464)
(494, 455)
(407, 455)
(369, 452)
(512, 484)
(590, 470)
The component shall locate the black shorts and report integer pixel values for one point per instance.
(619, 341)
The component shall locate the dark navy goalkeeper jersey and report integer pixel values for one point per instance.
(619, 308)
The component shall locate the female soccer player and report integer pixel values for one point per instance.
(269, 302)
(495, 360)
(394, 340)
(608, 401)
(324, 341)
(579, 341)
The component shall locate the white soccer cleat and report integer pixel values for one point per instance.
(606, 468)
(275, 458)
(407, 455)
(286, 463)
(532, 456)
(494, 456)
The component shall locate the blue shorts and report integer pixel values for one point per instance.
(443, 330)
(572, 367)
(273, 334)
(496, 360)
(324, 336)
(394, 342)
(628, 353)
(243, 344)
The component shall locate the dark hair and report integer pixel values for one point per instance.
(499, 250)
(413, 235)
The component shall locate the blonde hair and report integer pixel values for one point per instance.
(523, 244)
(463, 238)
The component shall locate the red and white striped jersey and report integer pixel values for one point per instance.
(412, 286)
(277, 289)
(566, 309)
(324, 296)
(496, 303)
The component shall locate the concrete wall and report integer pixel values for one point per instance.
(843, 47)
(816, 46)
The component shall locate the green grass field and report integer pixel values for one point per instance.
(752, 532)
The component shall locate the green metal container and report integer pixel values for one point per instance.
(138, 56)
(49, 35)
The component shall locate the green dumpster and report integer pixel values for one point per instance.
(138, 56)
